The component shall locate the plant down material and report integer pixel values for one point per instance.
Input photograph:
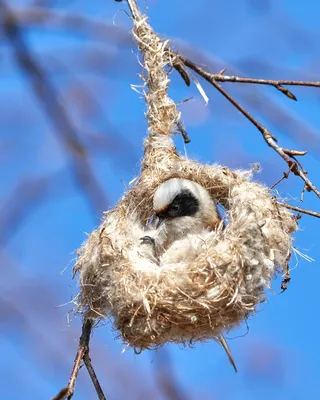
(194, 299)
(189, 299)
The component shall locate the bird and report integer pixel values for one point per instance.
(181, 208)
(184, 215)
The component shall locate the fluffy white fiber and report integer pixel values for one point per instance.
(181, 299)
(186, 299)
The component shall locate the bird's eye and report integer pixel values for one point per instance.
(175, 208)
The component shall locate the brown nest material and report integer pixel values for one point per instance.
(185, 301)
(188, 300)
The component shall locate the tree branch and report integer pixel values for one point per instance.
(93, 376)
(54, 18)
(82, 355)
(220, 77)
(287, 155)
(300, 210)
(134, 9)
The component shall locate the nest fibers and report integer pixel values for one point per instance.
(181, 299)
(194, 299)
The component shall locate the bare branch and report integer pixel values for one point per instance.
(300, 210)
(182, 71)
(93, 376)
(268, 137)
(82, 350)
(101, 30)
(82, 355)
(293, 153)
(285, 176)
(183, 132)
(257, 81)
(62, 394)
(134, 9)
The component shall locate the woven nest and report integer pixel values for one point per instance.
(186, 300)
(180, 300)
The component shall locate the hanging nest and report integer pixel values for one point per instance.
(186, 299)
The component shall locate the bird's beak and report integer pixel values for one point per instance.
(159, 221)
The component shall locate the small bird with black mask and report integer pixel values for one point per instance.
(182, 207)
(185, 214)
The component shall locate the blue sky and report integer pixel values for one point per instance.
(278, 357)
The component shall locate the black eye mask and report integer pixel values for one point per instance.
(184, 204)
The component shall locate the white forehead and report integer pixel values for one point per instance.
(171, 188)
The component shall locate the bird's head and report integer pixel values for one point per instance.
(183, 207)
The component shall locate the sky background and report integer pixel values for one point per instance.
(45, 214)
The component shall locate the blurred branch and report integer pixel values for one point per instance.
(58, 19)
(49, 17)
(117, 146)
(15, 209)
(82, 355)
(102, 30)
(48, 97)
(288, 155)
(167, 382)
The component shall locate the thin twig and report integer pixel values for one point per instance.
(83, 347)
(278, 84)
(179, 67)
(93, 376)
(60, 19)
(183, 132)
(287, 278)
(294, 153)
(286, 154)
(48, 98)
(134, 9)
(82, 355)
(225, 78)
(82, 350)
(300, 210)
(285, 176)
(101, 30)
(305, 189)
